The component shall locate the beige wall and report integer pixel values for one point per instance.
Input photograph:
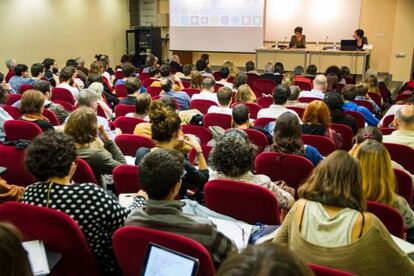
(34, 29)
(403, 41)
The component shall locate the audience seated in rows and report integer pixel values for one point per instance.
(31, 108)
(224, 96)
(151, 62)
(394, 108)
(239, 80)
(142, 107)
(133, 87)
(320, 84)
(232, 68)
(378, 179)
(241, 120)
(101, 153)
(287, 139)
(99, 88)
(51, 158)
(280, 96)
(67, 80)
(335, 102)
(4, 116)
(161, 176)
(349, 93)
(329, 225)
(21, 77)
(225, 74)
(404, 122)
(269, 74)
(207, 92)
(201, 66)
(245, 94)
(175, 63)
(196, 80)
(233, 158)
(250, 68)
(166, 132)
(51, 69)
(11, 64)
(316, 120)
(362, 95)
(167, 91)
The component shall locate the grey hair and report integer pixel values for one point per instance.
(97, 87)
(11, 63)
(268, 68)
(371, 72)
(405, 114)
(298, 70)
(87, 97)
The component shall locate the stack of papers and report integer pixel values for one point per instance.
(404, 246)
(37, 257)
(238, 232)
(126, 199)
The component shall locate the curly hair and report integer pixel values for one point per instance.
(165, 123)
(50, 155)
(82, 125)
(234, 155)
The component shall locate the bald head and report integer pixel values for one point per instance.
(404, 118)
(320, 82)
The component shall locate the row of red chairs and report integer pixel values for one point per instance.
(130, 243)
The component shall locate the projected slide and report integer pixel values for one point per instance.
(216, 13)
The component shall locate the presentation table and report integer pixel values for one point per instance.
(357, 61)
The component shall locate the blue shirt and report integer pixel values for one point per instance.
(369, 117)
(16, 81)
(313, 155)
(122, 81)
(182, 98)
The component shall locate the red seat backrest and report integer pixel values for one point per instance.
(375, 97)
(53, 119)
(327, 271)
(202, 105)
(402, 154)
(387, 130)
(324, 144)
(359, 118)
(263, 121)
(404, 185)
(299, 110)
(388, 120)
(12, 98)
(366, 104)
(58, 231)
(147, 82)
(229, 197)
(14, 112)
(201, 132)
(191, 91)
(131, 243)
(253, 109)
(265, 102)
(293, 169)
(192, 156)
(84, 173)
(123, 109)
(67, 106)
(13, 160)
(154, 91)
(62, 94)
(251, 78)
(217, 119)
(19, 129)
(24, 87)
(307, 99)
(303, 85)
(217, 75)
(129, 143)
(346, 133)
(121, 91)
(390, 217)
(126, 179)
(263, 86)
(127, 124)
(257, 138)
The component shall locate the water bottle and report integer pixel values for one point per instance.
(317, 45)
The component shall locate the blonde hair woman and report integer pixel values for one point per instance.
(98, 88)
(245, 94)
(232, 68)
(378, 179)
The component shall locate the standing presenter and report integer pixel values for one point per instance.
(298, 40)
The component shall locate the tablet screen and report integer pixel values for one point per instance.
(160, 261)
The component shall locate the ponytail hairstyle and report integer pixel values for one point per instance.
(165, 123)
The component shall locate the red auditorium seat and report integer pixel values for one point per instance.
(121, 91)
(126, 179)
(123, 109)
(324, 144)
(253, 109)
(388, 120)
(131, 242)
(257, 138)
(229, 197)
(59, 232)
(62, 94)
(127, 124)
(201, 132)
(191, 91)
(24, 87)
(263, 121)
(299, 110)
(346, 133)
(359, 118)
(129, 143)
(303, 85)
(206, 152)
(154, 91)
(327, 271)
(265, 102)
(293, 169)
(403, 155)
(67, 106)
(13, 160)
(12, 98)
(404, 185)
(202, 105)
(18, 129)
(375, 97)
(366, 104)
(390, 217)
(307, 99)
(217, 119)
(53, 119)
(261, 86)
(14, 112)
(84, 173)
